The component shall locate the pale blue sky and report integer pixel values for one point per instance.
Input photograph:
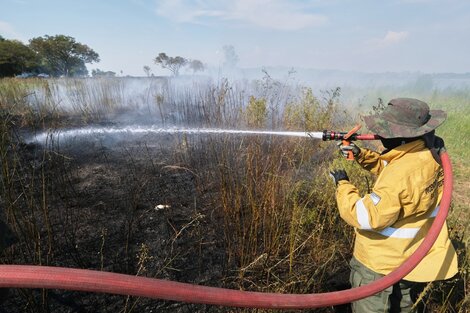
(362, 35)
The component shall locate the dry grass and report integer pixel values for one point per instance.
(282, 232)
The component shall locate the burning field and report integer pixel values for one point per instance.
(123, 176)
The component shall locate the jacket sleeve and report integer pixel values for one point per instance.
(374, 211)
(370, 160)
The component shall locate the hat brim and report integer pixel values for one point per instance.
(386, 129)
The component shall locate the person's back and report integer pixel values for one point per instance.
(394, 218)
(405, 199)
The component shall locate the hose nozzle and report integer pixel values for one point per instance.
(344, 137)
(334, 135)
(352, 135)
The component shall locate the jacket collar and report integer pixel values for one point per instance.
(398, 152)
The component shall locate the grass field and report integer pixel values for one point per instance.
(252, 213)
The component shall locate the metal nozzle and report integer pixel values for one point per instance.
(334, 135)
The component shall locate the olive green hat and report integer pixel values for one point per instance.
(405, 118)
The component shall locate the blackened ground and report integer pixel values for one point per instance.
(124, 208)
(137, 206)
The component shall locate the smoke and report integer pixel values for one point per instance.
(132, 108)
(157, 105)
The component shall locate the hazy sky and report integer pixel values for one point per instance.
(363, 35)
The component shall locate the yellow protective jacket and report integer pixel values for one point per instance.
(392, 221)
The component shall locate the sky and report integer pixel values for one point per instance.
(428, 36)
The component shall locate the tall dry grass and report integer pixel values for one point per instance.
(282, 232)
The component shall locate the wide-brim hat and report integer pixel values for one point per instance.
(405, 118)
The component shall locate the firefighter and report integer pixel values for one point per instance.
(392, 221)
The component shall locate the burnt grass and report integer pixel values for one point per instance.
(124, 207)
(147, 206)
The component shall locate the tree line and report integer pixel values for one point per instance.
(62, 55)
(174, 64)
(55, 56)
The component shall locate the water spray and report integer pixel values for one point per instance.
(67, 134)
(153, 129)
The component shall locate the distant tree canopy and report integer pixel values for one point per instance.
(53, 55)
(99, 73)
(147, 70)
(16, 58)
(62, 55)
(174, 64)
(196, 66)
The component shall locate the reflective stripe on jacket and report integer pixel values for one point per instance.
(394, 218)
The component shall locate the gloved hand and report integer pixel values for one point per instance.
(439, 145)
(344, 150)
(339, 175)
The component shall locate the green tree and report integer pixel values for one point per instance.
(16, 58)
(62, 55)
(174, 64)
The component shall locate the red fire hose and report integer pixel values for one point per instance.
(24, 276)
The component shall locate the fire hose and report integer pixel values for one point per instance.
(30, 276)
